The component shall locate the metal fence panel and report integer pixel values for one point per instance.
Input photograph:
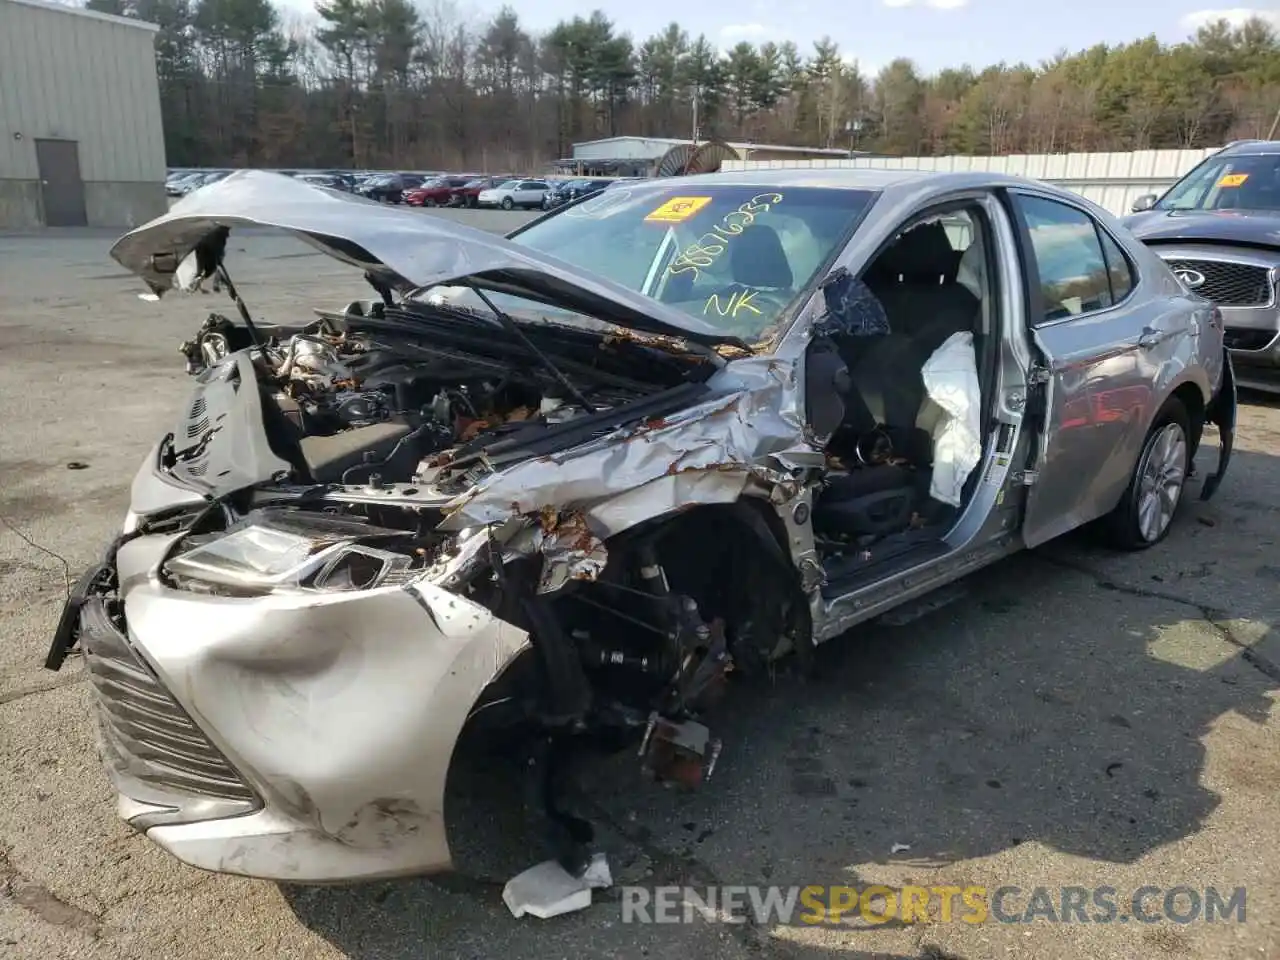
(1111, 180)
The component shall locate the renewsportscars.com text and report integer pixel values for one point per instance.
(936, 904)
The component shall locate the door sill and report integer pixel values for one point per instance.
(848, 574)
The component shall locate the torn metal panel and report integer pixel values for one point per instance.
(265, 677)
(571, 550)
(752, 429)
(665, 494)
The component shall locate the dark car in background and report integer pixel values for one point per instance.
(1218, 228)
(436, 192)
(329, 180)
(389, 187)
(468, 194)
(570, 190)
(385, 188)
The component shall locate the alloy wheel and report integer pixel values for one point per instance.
(1162, 480)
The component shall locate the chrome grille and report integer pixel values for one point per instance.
(153, 750)
(1228, 283)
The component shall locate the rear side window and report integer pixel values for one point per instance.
(1074, 277)
(1118, 267)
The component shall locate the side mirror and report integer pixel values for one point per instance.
(1144, 202)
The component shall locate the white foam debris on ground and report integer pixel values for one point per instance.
(549, 890)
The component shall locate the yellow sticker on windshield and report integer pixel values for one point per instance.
(678, 209)
(1233, 180)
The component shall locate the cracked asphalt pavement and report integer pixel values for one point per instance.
(1078, 718)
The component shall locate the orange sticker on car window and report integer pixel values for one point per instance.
(678, 209)
(1233, 179)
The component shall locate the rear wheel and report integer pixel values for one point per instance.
(1145, 512)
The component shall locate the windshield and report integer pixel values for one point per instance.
(736, 257)
(1244, 182)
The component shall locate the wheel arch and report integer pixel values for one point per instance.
(1192, 397)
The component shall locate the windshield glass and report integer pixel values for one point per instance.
(1246, 182)
(736, 257)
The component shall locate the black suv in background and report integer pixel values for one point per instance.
(571, 190)
(1219, 229)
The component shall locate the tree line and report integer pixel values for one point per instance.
(387, 84)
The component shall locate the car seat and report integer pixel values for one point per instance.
(758, 259)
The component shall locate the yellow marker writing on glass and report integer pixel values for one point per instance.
(678, 209)
(734, 304)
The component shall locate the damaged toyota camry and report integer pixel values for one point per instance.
(578, 480)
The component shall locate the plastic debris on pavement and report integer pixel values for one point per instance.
(549, 890)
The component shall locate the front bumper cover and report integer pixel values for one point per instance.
(335, 715)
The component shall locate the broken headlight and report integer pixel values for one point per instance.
(274, 550)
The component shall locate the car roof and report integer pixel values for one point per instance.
(894, 184)
(1252, 148)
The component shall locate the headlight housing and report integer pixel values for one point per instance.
(273, 550)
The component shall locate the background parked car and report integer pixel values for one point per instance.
(385, 188)
(325, 180)
(514, 193)
(388, 187)
(571, 190)
(467, 194)
(437, 192)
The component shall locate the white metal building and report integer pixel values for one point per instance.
(81, 141)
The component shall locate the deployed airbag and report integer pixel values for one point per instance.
(951, 381)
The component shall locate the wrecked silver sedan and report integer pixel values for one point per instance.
(574, 480)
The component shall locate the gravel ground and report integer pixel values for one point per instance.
(1079, 719)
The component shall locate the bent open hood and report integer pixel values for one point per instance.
(1259, 228)
(403, 248)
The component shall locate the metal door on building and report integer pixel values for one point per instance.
(61, 189)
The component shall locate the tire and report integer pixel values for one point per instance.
(1144, 516)
(507, 203)
(428, 202)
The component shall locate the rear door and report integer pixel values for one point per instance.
(1100, 347)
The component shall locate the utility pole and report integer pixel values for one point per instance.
(696, 131)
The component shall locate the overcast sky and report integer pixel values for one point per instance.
(934, 33)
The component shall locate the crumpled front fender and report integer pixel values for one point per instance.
(341, 710)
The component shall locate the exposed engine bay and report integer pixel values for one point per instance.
(388, 392)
